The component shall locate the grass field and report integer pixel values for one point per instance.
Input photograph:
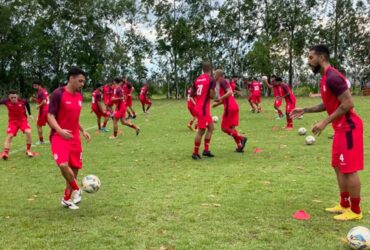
(154, 196)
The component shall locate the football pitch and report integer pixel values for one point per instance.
(154, 196)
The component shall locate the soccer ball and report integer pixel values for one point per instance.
(302, 131)
(215, 119)
(359, 238)
(90, 183)
(264, 78)
(310, 140)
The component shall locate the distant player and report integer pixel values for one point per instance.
(230, 118)
(119, 114)
(107, 95)
(290, 101)
(191, 108)
(17, 120)
(144, 98)
(256, 95)
(98, 109)
(203, 91)
(277, 93)
(248, 86)
(129, 90)
(64, 120)
(234, 85)
(348, 147)
(42, 98)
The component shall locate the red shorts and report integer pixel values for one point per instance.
(250, 98)
(42, 118)
(121, 112)
(129, 101)
(290, 106)
(230, 118)
(348, 150)
(67, 151)
(14, 126)
(145, 100)
(278, 102)
(204, 121)
(191, 109)
(108, 102)
(256, 98)
(98, 112)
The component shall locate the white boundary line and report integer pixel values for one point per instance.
(34, 145)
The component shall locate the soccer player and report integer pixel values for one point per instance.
(191, 106)
(230, 118)
(347, 148)
(144, 98)
(107, 95)
(64, 120)
(98, 109)
(119, 114)
(42, 98)
(277, 93)
(256, 95)
(17, 120)
(129, 89)
(249, 88)
(290, 101)
(203, 91)
(234, 85)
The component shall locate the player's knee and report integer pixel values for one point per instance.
(27, 132)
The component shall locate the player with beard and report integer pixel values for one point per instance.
(347, 147)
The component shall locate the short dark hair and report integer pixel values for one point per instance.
(117, 80)
(75, 71)
(273, 76)
(278, 79)
(207, 66)
(235, 76)
(321, 49)
(12, 92)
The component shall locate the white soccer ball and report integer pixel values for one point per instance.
(359, 238)
(302, 131)
(215, 119)
(90, 183)
(310, 140)
(264, 78)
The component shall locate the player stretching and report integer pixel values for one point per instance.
(290, 101)
(347, 148)
(256, 96)
(17, 120)
(64, 115)
(42, 98)
(191, 106)
(129, 89)
(98, 109)
(277, 93)
(230, 118)
(144, 98)
(119, 114)
(202, 91)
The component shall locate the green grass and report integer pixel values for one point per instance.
(154, 195)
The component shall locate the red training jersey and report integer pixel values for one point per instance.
(144, 91)
(66, 107)
(16, 111)
(201, 91)
(42, 95)
(107, 93)
(127, 87)
(118, 92)
(230, 102)
(256, 88)
(233, 85)
(290, 97)
(96, 98)
(333, 84)
(277, 89)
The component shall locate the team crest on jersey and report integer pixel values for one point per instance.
(341, 158)
(80, 103)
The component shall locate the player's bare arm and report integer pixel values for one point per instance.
(66, 134)
(85, 133)
(28, 108)
(300, 111)
(212, 94)
(267, 84)
(346, 103)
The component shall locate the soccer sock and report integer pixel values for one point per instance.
(67, 194)
(289, 121)
(6, 150)
(148, 107)
(115, 133)
(28, 147)
(74, 185)
(99, 125)
(196, 148)
(41, 139)
(234, 134)
(344, 199)
(280, 113)
(132, 126)
(355, 205)
(206, 144)
(105, 124)
(191, 123)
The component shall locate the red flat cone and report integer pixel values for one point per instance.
(301, 215)
(257, 150)
(35, 153)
